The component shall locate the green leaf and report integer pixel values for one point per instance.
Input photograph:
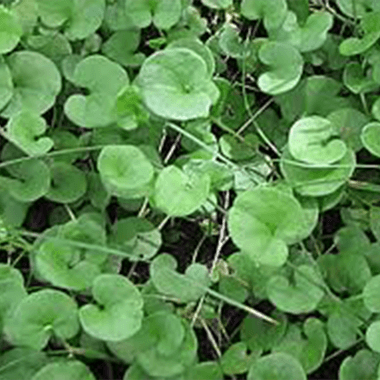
(285, 67)
(105, 80)
(19, 363)
(217, 4)
(315, 140)
(178, 194)
(10, 30)
(272, 11)
(32, 181)
(362, 366)
(36, 82)
(63, 266)
(118, 313)
(125, 171)
(6, 84)
(188, 287)
(40, 315)
(62, 370)
(317, 181)
(164, 13)
(278, 366)
(205, 371)
(301, 295)
(25, 129)
(357, 8)
(175, 84)
(358, 81)
(260, 335)
(68, 183)
(80, 18)
(262, 222)
(137, 236)
(371, 294)
(121, 48)
(374, 220)
(370, 137)
(372, 336)
(236, 360)
(349, 123)
(310, 350)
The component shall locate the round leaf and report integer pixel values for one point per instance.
(125, 171)
(179, 194)
(10, 30)
(36, 82)
(315, 140)
(276, 366)
(373, 336)
(40, 315)
(118, 314)
(73, 370)
(371, 138)
(362, 366)
(262, 222)
(175, 84)
(6, 84)
(286, 65)
(371, 294)
(25, 130)
(68, 183)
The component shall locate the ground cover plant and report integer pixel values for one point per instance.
(189, 189)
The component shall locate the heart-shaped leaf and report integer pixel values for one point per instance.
(73, 370)
(317, 181)
(236, 359)
(272, 11)
(104, 79)
(80, 18)
(362, 366)
(125, 171)
(278, 366)
(176, 84)
(262, 222)
(300, 296)
(370, 137)
(357, 80)
(118, 313)
(63, 266)
(68, 183)
(10, 30)
(188, 287)
(32, 181)
(25, 130)
(315, 140)
(179, 194)
(137, 236)
(40, 315)
(310, 351)
(163, 13)
(36, 82)
(286, 66)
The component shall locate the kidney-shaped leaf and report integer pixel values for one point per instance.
(64, 370)
(315, 140)
(371, 138)
(80, 18)
(40, 315)
(176, 84)
(301, 296)
(272, 11)
(125, 170)
(278, 366)
(285, 67)
(118, 313)
(262, 222)
(362, 366)
(179, 194)
(10, 30)
(25, 130)
(36, 81)
(188, 287)
(104, 79)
